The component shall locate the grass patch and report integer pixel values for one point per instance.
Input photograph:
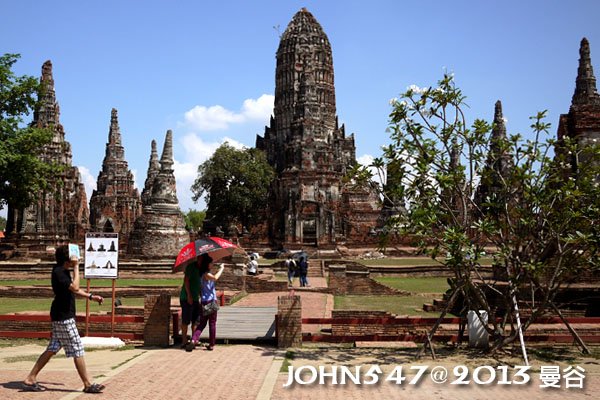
(289, 355)
(126, 361)
(400, 305)
(29, 358)
(123, 348)
(409, 261)
(14, 305)
(552, 354)
(237, 297)
(22, 342)
(174, 282)
(416, 285)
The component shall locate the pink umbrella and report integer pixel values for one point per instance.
(216, 247)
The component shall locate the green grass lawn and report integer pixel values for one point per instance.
(416, 285)
(400, 305)
(425, 289)
(100, 282)
(13, 305)
(408, 261)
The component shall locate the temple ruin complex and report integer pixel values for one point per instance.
(582, 122)
(160, 230)
(309, 203)
(116, 203)
(61, 213)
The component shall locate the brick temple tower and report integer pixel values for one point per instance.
(582, 123)
(308, 149)
(116, 203)
(160, 230)
(498, 165)
(61, 213)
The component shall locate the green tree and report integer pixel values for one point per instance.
(2, 223)
(23, 174)
(235, 184)
(194, 219)
(545, 219)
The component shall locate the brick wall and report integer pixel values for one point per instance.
(256, 284)
(44, 326)
(106, 292)
(157, 319)
(289, 321)
(350, 280)
(370, 329)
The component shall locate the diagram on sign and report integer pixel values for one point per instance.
(101, 255)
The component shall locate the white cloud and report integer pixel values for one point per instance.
(217, 117)
(259, 109)
(88, 180)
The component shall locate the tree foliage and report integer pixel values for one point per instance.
(194, 219)
(235, 184)
(2, 223)
(542, 217)
(23, 174)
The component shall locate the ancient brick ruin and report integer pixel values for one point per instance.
(160, 230)
(310, 152)
(61, 213)
(498, 164)
(116, 203)
(582, 123)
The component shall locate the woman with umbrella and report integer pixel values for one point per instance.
(208, 294)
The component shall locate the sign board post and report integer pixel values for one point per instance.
(102, 262)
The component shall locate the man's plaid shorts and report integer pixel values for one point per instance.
(65, 334)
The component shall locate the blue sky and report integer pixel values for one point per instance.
(206, 69)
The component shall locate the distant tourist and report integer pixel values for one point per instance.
(189, 299)
(64, 330)
(252, 266)
(303, 267)
(209, 305)
(292, 268)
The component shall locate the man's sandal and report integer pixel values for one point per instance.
(33, 387)
(94, 388)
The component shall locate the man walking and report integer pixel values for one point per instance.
(64, 330)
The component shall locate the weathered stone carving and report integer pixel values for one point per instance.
(497, 168)
(582, 123)
(116, 203)
(61, 213)
(309, 151)
(160, 230)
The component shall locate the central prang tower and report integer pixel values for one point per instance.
(305, 145)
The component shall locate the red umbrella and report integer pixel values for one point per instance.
(216, 247)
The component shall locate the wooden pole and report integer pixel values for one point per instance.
(87, 310)
(112, 319)
(578, 339)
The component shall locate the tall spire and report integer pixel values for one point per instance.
(48, 112)
(166, 161)
(585, 84)
(153, 170)
(499, 129)
(114, 133)
(154, 165)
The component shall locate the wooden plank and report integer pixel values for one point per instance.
(245, 323)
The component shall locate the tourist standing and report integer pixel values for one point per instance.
(291, 267)
(64, 330)
(303, 272)
(189, 298)
(208, 294)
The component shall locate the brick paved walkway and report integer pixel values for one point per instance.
(252, 372)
